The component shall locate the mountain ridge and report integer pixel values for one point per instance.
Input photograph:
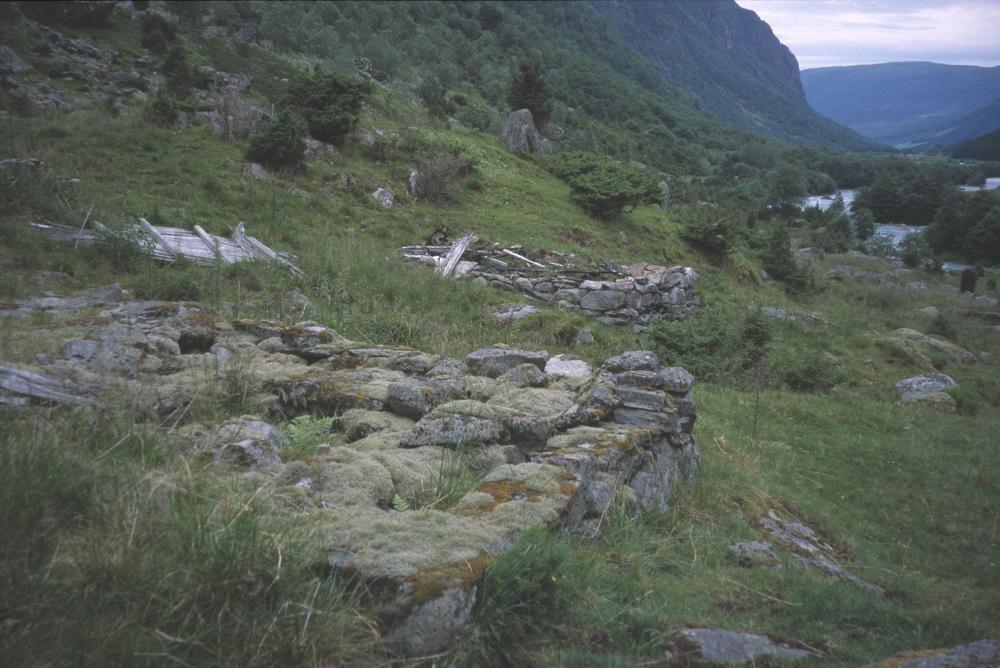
(907, 102)
(750, 78)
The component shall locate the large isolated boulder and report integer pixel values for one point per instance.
(522, 137)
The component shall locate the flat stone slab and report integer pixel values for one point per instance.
(494, 362)
(695, 645)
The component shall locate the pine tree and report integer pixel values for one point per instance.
(529, 91)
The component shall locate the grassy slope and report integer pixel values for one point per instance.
(907, 492)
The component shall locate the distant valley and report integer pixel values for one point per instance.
(909, 104)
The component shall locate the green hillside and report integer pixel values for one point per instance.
(123, 544)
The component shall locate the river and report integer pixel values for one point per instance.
(897, 233)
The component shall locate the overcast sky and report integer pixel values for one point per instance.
(822, 33)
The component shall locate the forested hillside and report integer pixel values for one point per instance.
(732, 61)
(985, 147)
(912, 103)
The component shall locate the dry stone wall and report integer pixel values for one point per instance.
(630, 298)
(627, 301)
(541, 440)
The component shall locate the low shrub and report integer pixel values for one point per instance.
(162, 108)
(706, 229)
(969, 401)
(330, 103)
(439, 178)
(279, 143)
(603, 187)
(807, 371)
(179, 73)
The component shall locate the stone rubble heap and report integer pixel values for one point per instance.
(542, 440)
(631, 299)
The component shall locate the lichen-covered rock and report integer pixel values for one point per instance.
(248, 442)
(918, 386)
(524, 375)
(384, 197)
(939, 401)
(955, 353)
(358, 423)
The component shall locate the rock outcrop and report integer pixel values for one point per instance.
(522, 137)
(440, 464)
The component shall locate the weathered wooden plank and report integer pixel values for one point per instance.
(455, 254)
(170, 243)
(157, 237)
(507, 251)
(209, 242)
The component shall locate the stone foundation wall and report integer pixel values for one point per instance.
(628, 301)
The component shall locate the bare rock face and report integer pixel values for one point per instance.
(522, 137)
(441, 464)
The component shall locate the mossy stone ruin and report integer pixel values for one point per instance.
(440, 464)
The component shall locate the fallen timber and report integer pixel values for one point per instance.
(169, 244)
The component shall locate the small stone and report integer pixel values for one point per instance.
(494, 362)
(755, 553)
(568, 367)
(509, 312)
(583, 338)
(633, 360)
(524, 375)
(384, 197)
(253, 170)
(603, 300)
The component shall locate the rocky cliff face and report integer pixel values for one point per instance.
(731, 60)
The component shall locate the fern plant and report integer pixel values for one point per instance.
(304, 434)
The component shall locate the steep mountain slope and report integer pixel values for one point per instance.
(910, 102)
(732, 61)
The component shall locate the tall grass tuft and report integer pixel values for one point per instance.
(522, 595)
(115, 561)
